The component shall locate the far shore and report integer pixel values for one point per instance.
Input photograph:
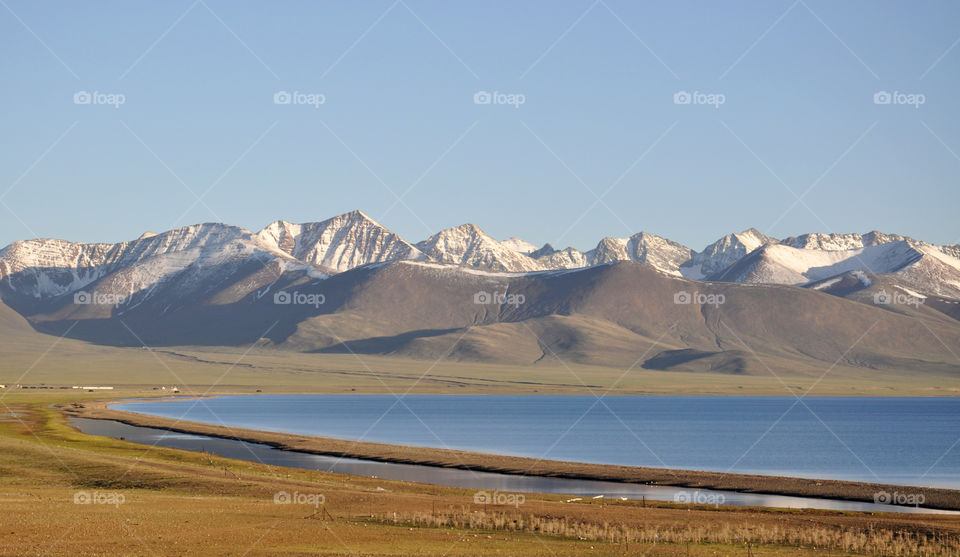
(935, 498)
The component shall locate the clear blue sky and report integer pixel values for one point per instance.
(399, 118)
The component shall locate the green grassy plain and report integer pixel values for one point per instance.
(42, 360)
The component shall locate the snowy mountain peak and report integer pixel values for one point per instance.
(519, 246)
(546, 250)
(834, 241)
(919, 266)
(785, 264)
(468, 245)
(724, 252)
(953, 250)
(340, 243)
(643, 247)
(46, 267)
(751, 239)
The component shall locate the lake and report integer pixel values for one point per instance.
(903, 441)
(468, 479)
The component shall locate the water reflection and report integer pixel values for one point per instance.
(459, 478)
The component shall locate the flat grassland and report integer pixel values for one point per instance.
(44, 360)
(150, 501)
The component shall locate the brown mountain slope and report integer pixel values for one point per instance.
(623, 314)
(617, 314)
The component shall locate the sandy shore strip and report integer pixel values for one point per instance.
(936, 498)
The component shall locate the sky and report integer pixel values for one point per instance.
(555, 121)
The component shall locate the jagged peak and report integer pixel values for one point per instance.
(195, 229)
(834, 241)
(756, 234)
(198, 229)
(610, 240)
(642, 235)
(280, 223)
(356, 215)
(353, 238)
(469, 228)
(749, 239)
(547, 249)
(647, 237)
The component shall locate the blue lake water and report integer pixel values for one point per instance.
(904, 441)
(470, 479)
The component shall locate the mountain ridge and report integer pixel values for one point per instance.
(354, 239)
(350, 281)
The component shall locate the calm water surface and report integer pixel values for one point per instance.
(484, 481)
(903, 441)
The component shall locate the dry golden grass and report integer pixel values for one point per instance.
(865, 540)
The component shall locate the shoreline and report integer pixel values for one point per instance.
(934, 498)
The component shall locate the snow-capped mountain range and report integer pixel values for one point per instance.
(350, 284)
(45, 268)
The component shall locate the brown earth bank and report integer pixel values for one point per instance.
(946, 499)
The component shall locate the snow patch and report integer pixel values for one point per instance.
(827, 283)
(518, 245)
(911, 292)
